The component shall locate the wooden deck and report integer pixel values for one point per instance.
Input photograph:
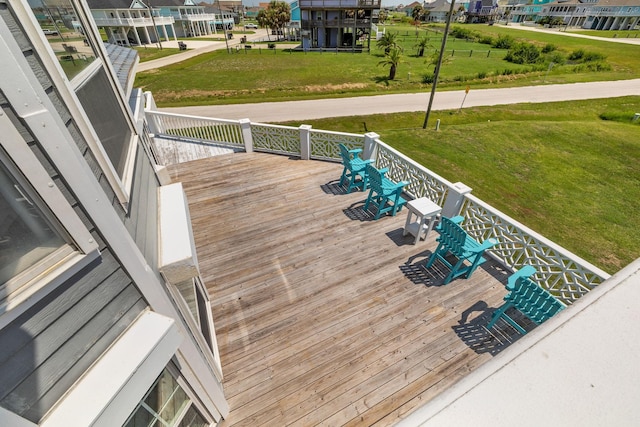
(324, 316)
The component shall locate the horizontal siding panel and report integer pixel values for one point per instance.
(87, 359)
(48, 310)
(55, 369)
(45, 343)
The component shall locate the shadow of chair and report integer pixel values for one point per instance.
(466, 250)
(354, 168)
(475, 334)
(528, 298)
(384, 194)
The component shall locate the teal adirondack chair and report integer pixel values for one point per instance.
(453, 239)
(384, 193)
(528, 298)
(354, 167)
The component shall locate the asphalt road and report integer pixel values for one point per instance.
(341, 107)
(366, 105)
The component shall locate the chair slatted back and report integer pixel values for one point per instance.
(344, 153)
(453, 237)
(533, 301)
(375, 179)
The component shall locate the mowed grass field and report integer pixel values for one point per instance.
(261, 74)
(568, 170)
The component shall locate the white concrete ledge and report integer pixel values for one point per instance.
(177, 252)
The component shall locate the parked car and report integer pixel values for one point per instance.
(49, 32)
(251, 26)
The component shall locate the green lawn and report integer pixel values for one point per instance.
(609, 34)
(262, 75)
(151, 53)
(558, 168)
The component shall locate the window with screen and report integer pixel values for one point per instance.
(65, 33)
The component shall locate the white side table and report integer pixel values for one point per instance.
(424, 209)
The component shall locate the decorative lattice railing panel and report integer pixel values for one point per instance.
(226, 132)
(275, 139)
(324, 144)
(422, 181)
(561, 272)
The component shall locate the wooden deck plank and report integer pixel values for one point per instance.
(324, 316)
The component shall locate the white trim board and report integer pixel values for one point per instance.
(113, 387)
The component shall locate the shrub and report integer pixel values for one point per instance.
(523, 53)
(576, 55)
(581, 55)
(428, 79)
(557, 58)
(504, 42)
(598, 66)
(593, 56)
(549, 48)
(482, 75)
(462, 33)
(486, 40)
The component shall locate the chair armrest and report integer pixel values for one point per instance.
(484, 245)
(368, 161)
(487, 244)
(457, 219)
(356, 151)
(525, 272)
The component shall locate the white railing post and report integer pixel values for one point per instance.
(247, 137)
(305, 142)
(369, 145)
(455, 198)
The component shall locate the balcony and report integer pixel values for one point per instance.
(134, 22)
(339, 4)
(198, 17)
(323, 315)
(338, 23)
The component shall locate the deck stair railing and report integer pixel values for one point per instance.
(561, 272)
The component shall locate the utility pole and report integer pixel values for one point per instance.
(224, 28)
(153, 21)
(437, 70)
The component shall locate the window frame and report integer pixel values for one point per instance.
(121, 186)
(19, 160)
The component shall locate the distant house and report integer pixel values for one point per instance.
(482, 11)
(127, 23)
(523, 11)
(346, 24)
(438, 10)
(602, 15)
(408, 9)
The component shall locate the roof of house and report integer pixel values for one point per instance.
(438, 6)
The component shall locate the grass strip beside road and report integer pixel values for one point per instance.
(567, 170)
(260, 75)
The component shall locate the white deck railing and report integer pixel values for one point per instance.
(560, 271)
(169, 125)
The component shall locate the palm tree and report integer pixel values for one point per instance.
(387, 42)
(422, 44)
(392, 59)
